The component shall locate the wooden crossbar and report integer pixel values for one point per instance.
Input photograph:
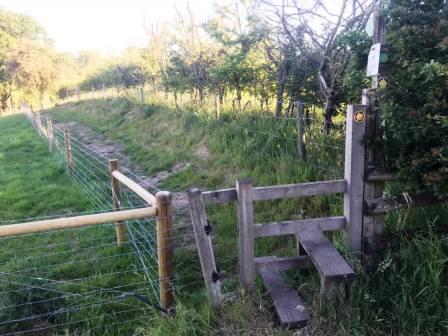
(277, 192)
(299, 190)
(291, 227)
(139, 190)
(75, 222)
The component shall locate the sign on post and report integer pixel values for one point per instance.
(373, 63)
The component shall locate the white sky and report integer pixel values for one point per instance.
(108, 26)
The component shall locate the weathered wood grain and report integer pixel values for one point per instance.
(332, 267)
(246, 234)
(290, 308)
(354, 175)
(290, 227)
(299, 190)
(220, 196)
(204, 245)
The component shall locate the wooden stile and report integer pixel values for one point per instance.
(68, 150)
(165, 249)
(204, 245)
(120, 227)
(246, 234)
(354, 175)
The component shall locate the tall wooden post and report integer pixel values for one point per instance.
(68, 150)
(204, 245)
(354, 175)
(120, 227)
(50, 133)
(246, 234)
(165, 249)
(373, 225)
(300, 131)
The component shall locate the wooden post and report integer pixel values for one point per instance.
(68, 150)
(300, 131)
(205, 248)
(50, 133)
(373, 225)
(354, 175)
(120, 227)
(246, 234)
(164, 249)
(142, 98)
(39, 123)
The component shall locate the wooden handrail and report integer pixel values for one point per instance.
(139, 190)
(75, 222)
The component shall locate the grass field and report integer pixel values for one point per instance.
(406, 294)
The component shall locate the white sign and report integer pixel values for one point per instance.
(373, 64)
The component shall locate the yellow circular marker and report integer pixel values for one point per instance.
(359, 116)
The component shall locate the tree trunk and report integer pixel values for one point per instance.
(238, 97)
(329, 112)
(282, 75)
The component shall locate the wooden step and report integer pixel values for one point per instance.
(288, 305)
(331, 265)
(281, 264)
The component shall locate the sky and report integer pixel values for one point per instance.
(108, 26)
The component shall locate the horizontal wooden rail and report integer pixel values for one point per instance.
(139, 190)
(299, 190)
(291, 227)
(383, 205)
(219, 196)
(376, 176)
(277, 192)
(75, 222)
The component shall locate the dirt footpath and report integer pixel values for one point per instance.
(109, 149)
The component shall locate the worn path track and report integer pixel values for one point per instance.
(105, 147)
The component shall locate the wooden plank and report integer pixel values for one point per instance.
(246, 234)
(220, 196)
(205, 248)
(281, 264)
(120, 227)
(382, 205)
(354, 175)
(299, 190)
(378, 176)
(139, 190)
(164, 221)
(332, 267)
(373, 225)
(289, 306)
(75, 222)
(290, 227)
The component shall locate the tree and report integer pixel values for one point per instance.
(14, 27)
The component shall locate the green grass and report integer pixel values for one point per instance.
(79, 262)
(405, 294)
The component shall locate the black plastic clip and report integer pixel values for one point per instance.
(215, 276)
(208, 228)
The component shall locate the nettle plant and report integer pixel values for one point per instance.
(414, 106)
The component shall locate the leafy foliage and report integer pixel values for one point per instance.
(414, 107)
